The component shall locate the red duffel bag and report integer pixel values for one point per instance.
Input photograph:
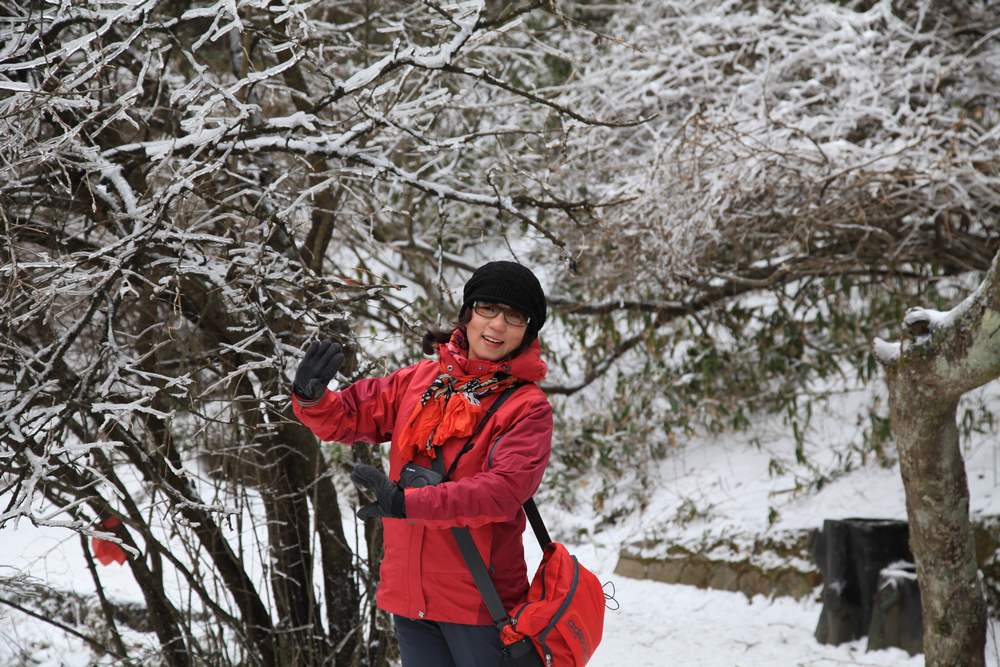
(560, 622)
(563, 614)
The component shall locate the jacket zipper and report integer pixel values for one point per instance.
(493, 448)
(525, 605)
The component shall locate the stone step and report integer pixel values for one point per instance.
(769, 564)
(774, 564)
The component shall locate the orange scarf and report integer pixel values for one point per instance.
(451, 406)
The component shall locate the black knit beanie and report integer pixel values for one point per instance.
(511, 284)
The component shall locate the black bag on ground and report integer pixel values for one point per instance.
(850, 553)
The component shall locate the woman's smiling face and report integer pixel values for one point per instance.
(492, 338)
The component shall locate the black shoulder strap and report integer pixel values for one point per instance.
(438, 465)
(466, 545)
(537, 525)
(481, 576)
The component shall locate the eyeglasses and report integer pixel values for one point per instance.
(514, 318)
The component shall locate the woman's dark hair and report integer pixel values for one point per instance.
(435, 337)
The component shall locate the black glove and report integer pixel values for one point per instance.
(390, 499)
(317, 368)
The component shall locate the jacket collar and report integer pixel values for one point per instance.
(528, 365)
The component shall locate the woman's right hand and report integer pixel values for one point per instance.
(317, 368)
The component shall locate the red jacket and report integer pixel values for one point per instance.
(423, 574)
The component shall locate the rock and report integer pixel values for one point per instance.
(724, 578)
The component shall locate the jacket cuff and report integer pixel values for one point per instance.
(310, 402)
(398, 503)
(305, 402)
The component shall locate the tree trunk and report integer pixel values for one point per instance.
(291, 565)
(381, 644)
(943, 356)
(937, 504)
(312, 475)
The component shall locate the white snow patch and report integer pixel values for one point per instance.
(887, 352)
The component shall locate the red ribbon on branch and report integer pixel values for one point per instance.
(104, 551)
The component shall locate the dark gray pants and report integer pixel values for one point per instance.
(434, 644)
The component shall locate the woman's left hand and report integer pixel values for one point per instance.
(390, 499)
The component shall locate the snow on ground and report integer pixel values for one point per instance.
(656, 624)
(725, 477)
(662, 624)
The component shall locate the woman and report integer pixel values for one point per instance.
(430, 410)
